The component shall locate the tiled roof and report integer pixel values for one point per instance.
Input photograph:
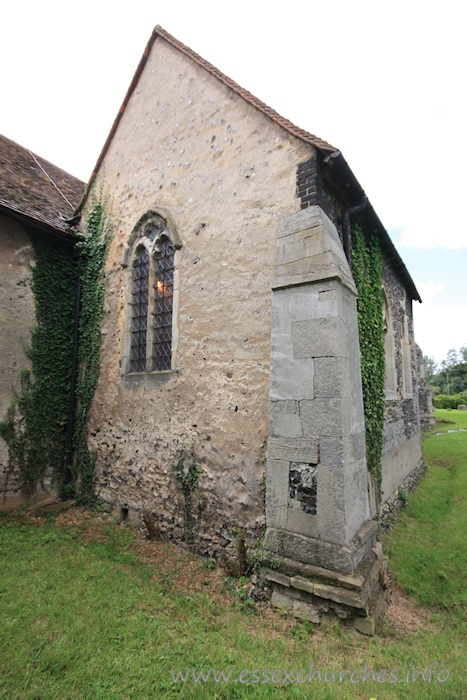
(33, 188)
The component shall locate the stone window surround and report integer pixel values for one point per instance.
(407, 382)
(390, 386)
(137, 238)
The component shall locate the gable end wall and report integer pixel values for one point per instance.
(188, 146)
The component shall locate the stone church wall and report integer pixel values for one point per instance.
(401, 440)
(17, 318)
(224, 175)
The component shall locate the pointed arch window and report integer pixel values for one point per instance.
(406, 360)
(152, 297)
(390, 384)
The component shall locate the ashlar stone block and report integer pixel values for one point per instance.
(291, 379)
(321, 417)
(286, 426)
(331, 377)
(293, 450)
(277, 483)
(319, 337)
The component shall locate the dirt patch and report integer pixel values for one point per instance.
(188, 574)
(185, 571)
(404, 615)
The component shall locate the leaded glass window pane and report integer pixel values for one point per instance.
(139, 327)
(162, 345)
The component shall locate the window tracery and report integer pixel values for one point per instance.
(150, 258)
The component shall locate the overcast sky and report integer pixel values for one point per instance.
(382, 81)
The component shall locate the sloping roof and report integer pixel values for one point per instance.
(35, 190)
(251, 99)
(158, 31)
(329, 152)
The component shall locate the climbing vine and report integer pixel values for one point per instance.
(187, 475)
(93, 246)
(367, 271)
(35, 427)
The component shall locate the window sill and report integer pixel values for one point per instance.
(134, 379)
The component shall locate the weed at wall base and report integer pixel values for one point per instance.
(187, 475)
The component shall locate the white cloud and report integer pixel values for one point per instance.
(439, 327)
(433, 227)
(428, 290)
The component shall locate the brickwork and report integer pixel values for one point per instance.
(307, 183)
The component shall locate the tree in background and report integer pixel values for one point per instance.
(451, 359)
(430, 368)
(451, 375)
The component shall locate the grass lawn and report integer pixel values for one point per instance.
(89, 609)
(449, 419)
(428, 545)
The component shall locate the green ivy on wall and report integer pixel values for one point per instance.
(35, 427)
(36, 424)
(367, 273)
(93, 246)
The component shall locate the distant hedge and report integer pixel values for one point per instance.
(453, 401)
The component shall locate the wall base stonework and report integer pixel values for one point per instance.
(313, 551)
(307, 592)
(43, 494)
(399, 463)
(395, 502)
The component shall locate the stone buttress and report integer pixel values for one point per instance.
(320, 536)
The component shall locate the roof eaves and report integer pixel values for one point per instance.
(38, 224)
(386, 242)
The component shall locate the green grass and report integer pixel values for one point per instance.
(449, 419)
(428, 543)
(91, 620)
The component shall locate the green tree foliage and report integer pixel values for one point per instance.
(451, 377)
(430, 368)
(450, 401)
(451, 359)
